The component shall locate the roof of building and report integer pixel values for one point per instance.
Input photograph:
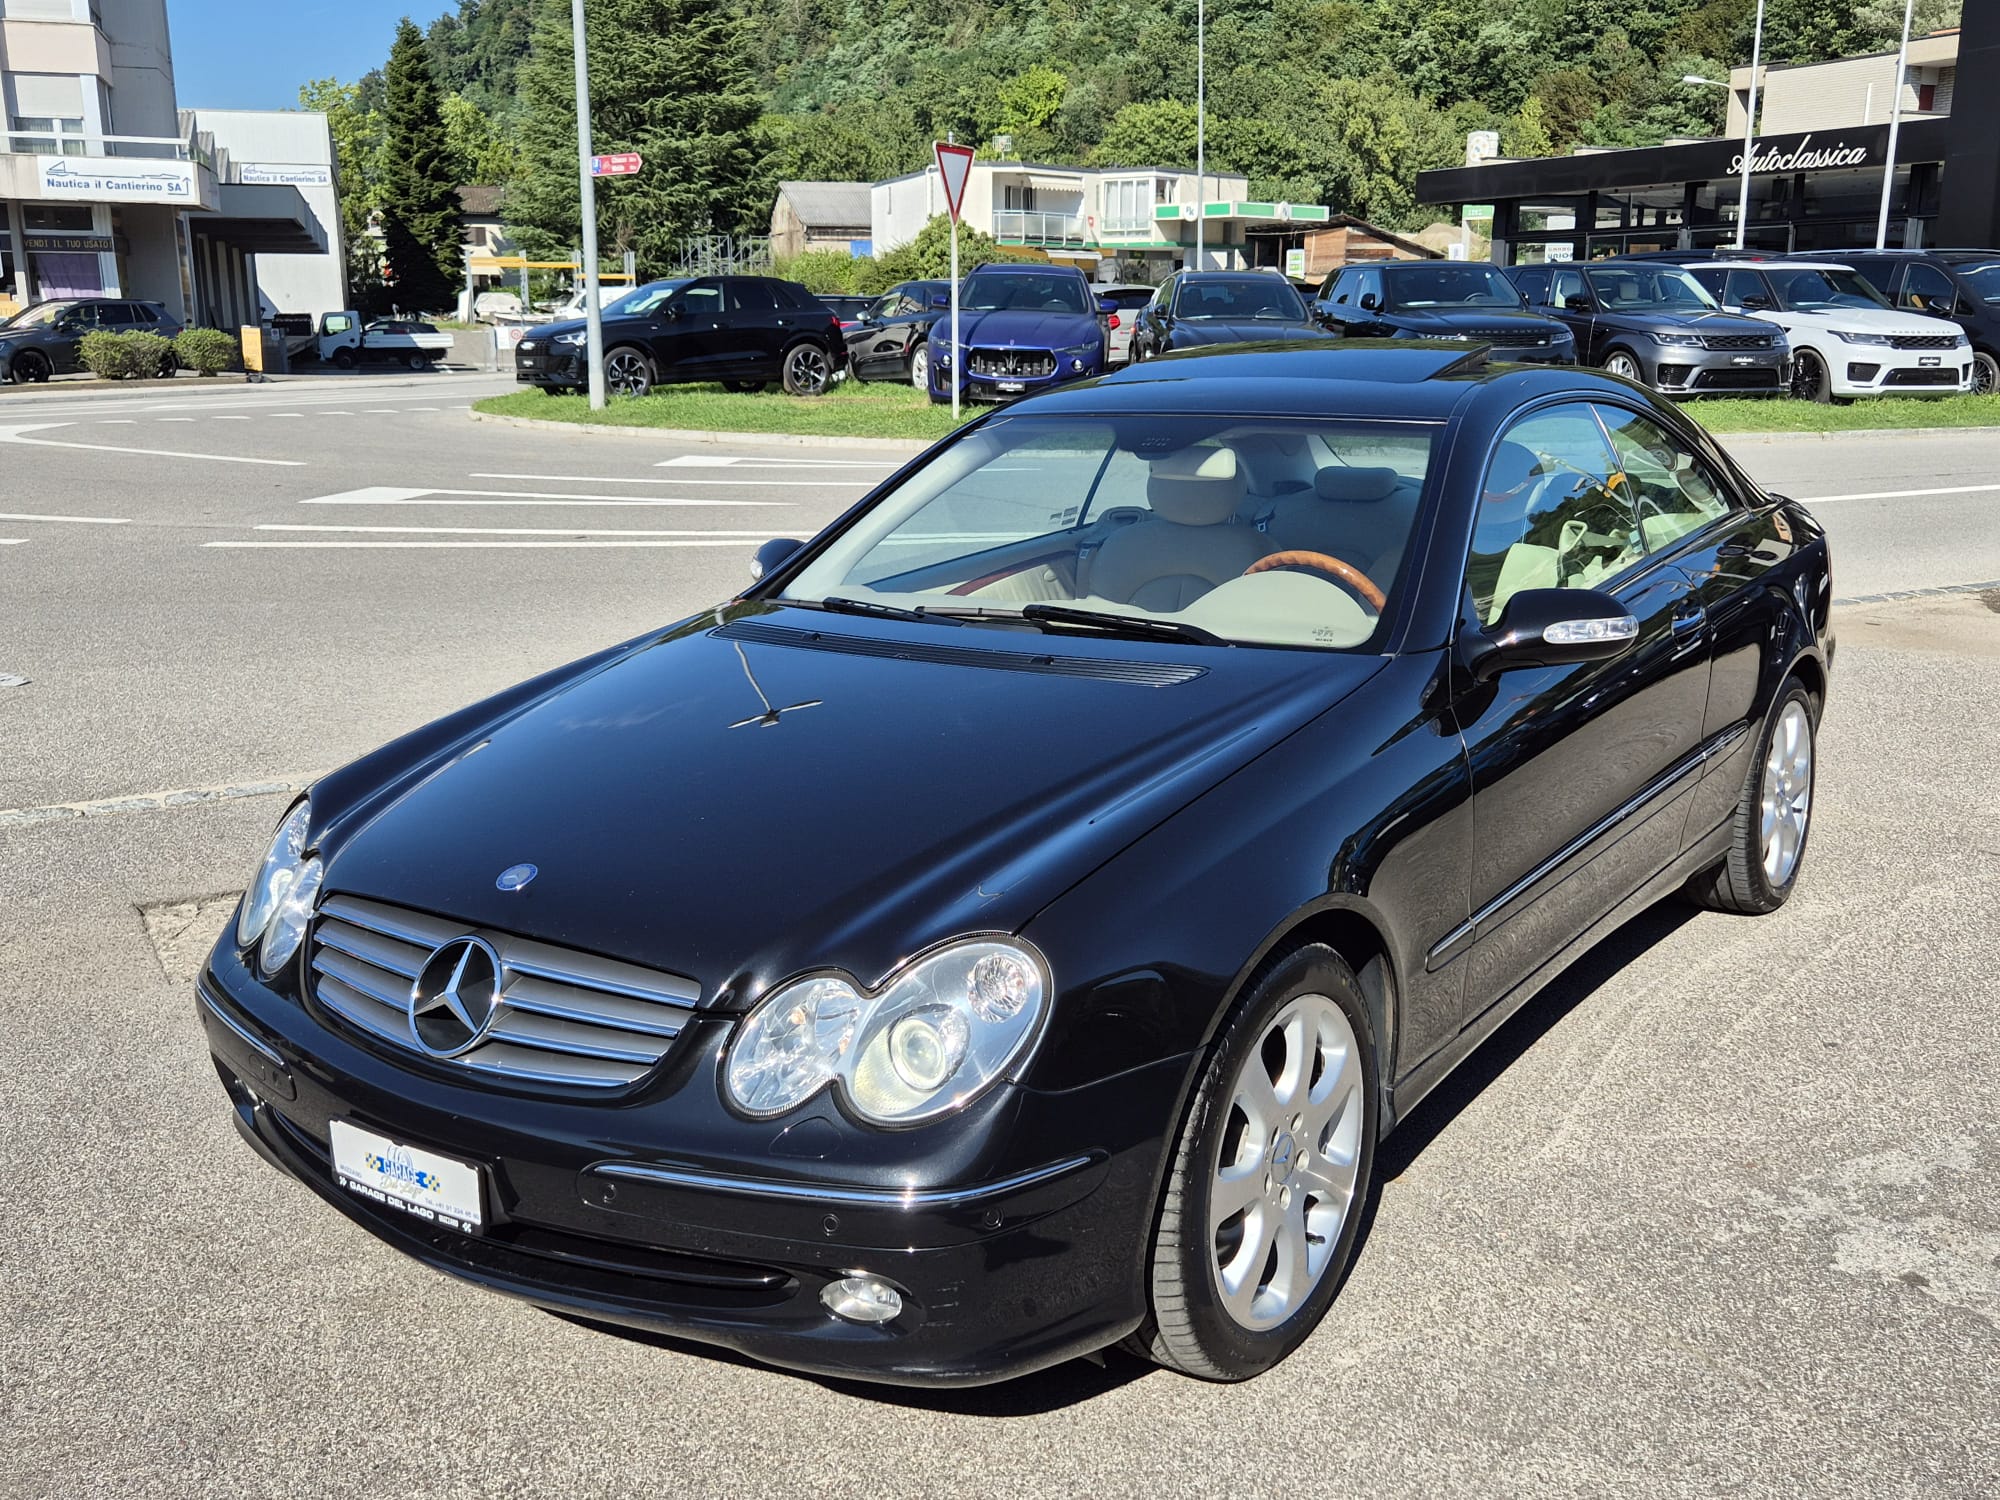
(1349, 221)
(835, 205)
(481, 202)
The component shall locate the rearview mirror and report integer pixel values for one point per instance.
(1552, 628)
(773, 555)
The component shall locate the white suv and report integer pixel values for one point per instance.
(1846, 340)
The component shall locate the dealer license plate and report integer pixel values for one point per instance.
(438, 1188)
(1930, 361)
(1013, 385)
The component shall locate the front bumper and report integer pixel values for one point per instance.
(550, 365)
(664, 1213)
(1872, 370)
(1677, 370)
(976, 386)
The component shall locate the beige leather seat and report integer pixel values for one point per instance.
(1187, 545)
(1362, 516)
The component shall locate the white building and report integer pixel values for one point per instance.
(280, 208)
(1088, 216)
(108, 189)
(1848, 91)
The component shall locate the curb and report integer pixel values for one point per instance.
(1867, 433)
(906, 447)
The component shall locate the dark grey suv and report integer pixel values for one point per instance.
(1655, 324)
(43, 340)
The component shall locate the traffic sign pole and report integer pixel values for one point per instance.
(593, 313)
(954, 165)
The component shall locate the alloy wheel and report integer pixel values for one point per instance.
(1809, 378)
(1625, 367)
(1787, 795)
(1290, 1154)
(627, 373)
(920, 367)
(807, 371)
(30, 368)
(1985, 374)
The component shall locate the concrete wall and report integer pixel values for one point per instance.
(1848, 91)
(294, 147)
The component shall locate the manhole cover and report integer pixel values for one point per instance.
(8, 679)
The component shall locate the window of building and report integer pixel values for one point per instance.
(59, 218)
(61, 134)
(1128, 202)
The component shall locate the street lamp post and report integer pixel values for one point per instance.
(1200, 132)
(594, 317)
(1750, 126)
(1895, 124)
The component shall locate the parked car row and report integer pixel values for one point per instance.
(46, 340)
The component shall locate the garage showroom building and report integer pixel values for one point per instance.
(1816, 170)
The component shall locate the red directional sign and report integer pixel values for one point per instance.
(954, 166)
(624, 164)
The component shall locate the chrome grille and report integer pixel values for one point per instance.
(1512, 338)
(1923, 340)
(562, 1017)
(1013, 364)
(1737, 341)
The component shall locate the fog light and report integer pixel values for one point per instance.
(862, 1299)
(1076, 364)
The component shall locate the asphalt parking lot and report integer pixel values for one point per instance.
(1718, 1213)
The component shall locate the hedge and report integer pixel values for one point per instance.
(124, 356)
(208, 350)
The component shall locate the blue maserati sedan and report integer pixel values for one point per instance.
(1009, 926)
(1021, 328)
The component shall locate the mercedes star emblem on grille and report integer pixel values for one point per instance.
(456, 997)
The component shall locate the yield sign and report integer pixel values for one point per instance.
(954, 166)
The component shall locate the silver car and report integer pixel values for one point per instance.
(1128, 297)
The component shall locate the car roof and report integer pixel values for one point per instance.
(1786, 264)
(1021, 268)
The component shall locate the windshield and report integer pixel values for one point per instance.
(1056, 294)
(1667, 287)
(642, 300)
(1983, 277)
(40, 313)
(1446, 285)
(1819, 291)
(1240, 297)
(1264, 531)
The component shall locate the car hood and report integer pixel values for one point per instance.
(1011, 329)
(1461, 319)
(542, 333)
(1192, 335)
(1872, 320)
(769, 789)
(1701, 322)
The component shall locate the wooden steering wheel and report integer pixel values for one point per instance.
(1333, 567)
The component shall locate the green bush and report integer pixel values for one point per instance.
(823, 272)
(208, 350)
(124, 356)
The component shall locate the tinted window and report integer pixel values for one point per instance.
(1714, 279)
(1449, 284)
(1671, 489)
(1534, 285)
(701, 299)
(1341, 286)
(1983, 277)
(1368, 283)
(998, 292)
(1242, 297)
(1668, 288)
(640, 301)
(1877, 273)
(1127, 298)
(1550, 516)
(1926, 289)
(1816, 290)
(1569, 284)
(1740, 289)
(751, 296)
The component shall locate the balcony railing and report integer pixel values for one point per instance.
(142, 147)
(1016, 226)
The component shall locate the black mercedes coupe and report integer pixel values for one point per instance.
(1009, 927)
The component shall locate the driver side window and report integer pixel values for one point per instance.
(701, 300)
(1553, 512)
(1670, 488)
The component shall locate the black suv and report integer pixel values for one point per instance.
(1962, 285)
(744, 331)
(43, 340)
(1433, 299)
(891, 339)
(1653, 323)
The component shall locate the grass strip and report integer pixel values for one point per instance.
(851, 409)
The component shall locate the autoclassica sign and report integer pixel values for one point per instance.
(1804, 157)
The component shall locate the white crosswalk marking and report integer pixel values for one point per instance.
(732, 461)
(388, 495)
(736, 542)
(515, 531)
(73, 520)
(737, 484)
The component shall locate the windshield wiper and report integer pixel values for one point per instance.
(834, 604)
(1144, 626)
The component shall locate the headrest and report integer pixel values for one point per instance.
(1196, 486)
(1339, 482)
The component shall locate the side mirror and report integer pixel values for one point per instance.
(673, 312)
(1370, 302)
(1755, 304)
(1553, 628)
(940, 299)
(773, 555)
(1577, 302)
(1106, 306)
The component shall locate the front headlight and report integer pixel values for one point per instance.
(572, 340)
(1881, 340)
(275, 877)
(1679, 340)
(933, 1037)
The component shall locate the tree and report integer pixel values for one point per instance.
(1149, 135)
(928, 256)
(478, 152)
(357, 145)
(422, 237)
(671, 80)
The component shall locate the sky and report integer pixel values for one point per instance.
(254, 54)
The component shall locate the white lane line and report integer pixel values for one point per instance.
(726, 461)
(77, 520)
(1950, 489)
(420, 408)
(333, 413)
(385, 547)
(173, 419)
(737, 484)
(13, 435)
(119, 422)
(229, 419)
(514, 531)
(284, 414)
(388, 495)
(13, 541)
(384, 411)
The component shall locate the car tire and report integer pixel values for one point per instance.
(1303, 1019)
(627, 372)
(1810, 379)
(32, 367)
(1768, 836)
(744, 387)
(920, 367)
(1624, 366)
(1985, 375)
(807, 371)
(343, 359)
(170, 365)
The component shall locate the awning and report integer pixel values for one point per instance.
(263, 219)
